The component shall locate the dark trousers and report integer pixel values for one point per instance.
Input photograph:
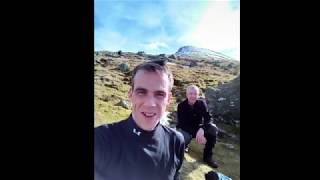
(210, 133)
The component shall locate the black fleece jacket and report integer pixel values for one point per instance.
(123, 151)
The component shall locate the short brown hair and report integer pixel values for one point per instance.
(153, 67)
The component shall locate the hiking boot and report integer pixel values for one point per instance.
(211, 163)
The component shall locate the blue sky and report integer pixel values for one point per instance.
(163, 26)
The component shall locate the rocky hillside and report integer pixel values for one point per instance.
(224, 102)
(112, 77)
(202, 53)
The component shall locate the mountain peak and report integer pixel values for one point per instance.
(187, 48)
(202, 53)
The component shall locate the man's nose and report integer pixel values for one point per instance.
(150, 101)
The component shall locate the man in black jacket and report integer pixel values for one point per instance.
(140, 148)
(194, 121)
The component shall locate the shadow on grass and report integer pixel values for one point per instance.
(227, 156)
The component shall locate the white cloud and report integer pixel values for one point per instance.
(155, 45)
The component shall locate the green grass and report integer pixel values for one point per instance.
(107, 112)
(108, 93)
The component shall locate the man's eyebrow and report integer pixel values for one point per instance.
(140, 89)
(160, 91)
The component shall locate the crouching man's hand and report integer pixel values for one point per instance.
(200, 137)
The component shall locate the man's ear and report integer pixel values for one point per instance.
(130, 94)
(169, 97)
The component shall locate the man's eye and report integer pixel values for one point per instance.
(160, 95)
(141, 93)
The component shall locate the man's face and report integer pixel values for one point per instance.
(149, 98)
(192, 95)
